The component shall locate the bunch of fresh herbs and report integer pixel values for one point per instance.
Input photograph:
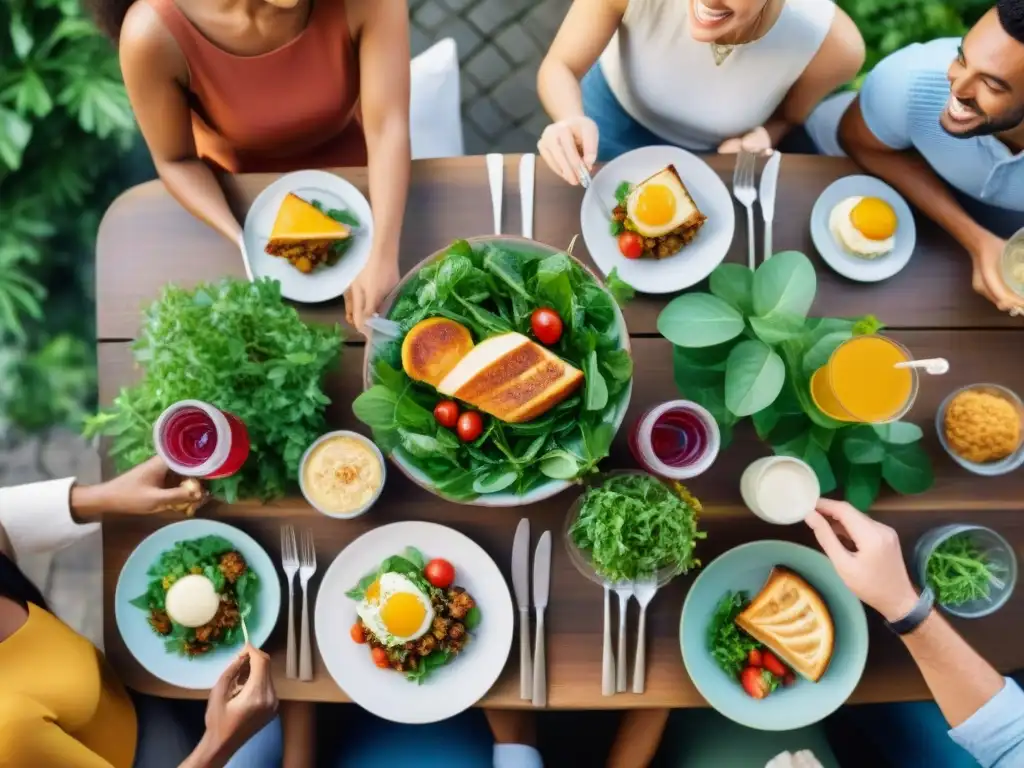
(959, 572)
(493, 290)
(747, 348)
(729, 645)
(634, 525)
(238, 346)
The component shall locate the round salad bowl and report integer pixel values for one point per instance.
(549, 488)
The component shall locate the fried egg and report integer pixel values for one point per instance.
(395, 610)
(864, 226)
(192, 601)
(659, 204)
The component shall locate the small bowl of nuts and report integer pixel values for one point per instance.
(982, 428)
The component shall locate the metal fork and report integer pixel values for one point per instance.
(625, 591)
(644, 589)
(744, 191)
(290, 566)
(307, 567)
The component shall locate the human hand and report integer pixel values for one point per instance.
(141, 490)
(241, 703)
(987, 279)
(369, 289)
(568, 144)
(874, 570)
(756, 141)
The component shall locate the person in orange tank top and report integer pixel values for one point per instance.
(273, 85)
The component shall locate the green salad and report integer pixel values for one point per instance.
(211, 559)
(634, 525)
(494, 290)
(729, 645)
(959, 571)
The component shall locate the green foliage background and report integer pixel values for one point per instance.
(65, 125)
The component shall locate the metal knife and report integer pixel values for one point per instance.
(541, 584)
(527, 166)
(521, 586)
(769, 185)
(496, 177)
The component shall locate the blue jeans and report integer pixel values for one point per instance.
(618, 131)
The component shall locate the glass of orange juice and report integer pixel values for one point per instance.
(861, 383)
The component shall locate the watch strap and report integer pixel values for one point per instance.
(917, 614)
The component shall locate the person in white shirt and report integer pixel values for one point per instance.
(705, 75)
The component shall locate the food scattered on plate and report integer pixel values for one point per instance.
(309, 237)
(510, 372)
(342, 474)
(786, 630)
(655, 218)
(198, 594)
(412, 615)
(633, 525)
(864, 227)
(981, 425)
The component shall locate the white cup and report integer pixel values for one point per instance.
(780, 489)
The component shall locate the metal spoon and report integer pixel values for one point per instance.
(934, 366)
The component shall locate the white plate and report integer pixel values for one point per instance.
(692, 264)
(325, 283)
(862, 270)
(447, 691)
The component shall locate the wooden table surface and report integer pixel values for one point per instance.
(146, 240)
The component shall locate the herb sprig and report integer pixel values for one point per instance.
(728, 644)
(959, 572)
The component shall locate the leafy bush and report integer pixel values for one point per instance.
(749, 349)
(64, 121)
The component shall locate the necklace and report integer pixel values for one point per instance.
(722, 51)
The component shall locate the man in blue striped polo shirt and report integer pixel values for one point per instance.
(951, 109)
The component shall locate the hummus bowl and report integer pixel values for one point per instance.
(342, 474)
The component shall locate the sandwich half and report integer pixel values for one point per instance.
(790, 618)
(304, 235)
(512, 378)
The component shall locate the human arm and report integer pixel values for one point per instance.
(974, 698)
(156, 77)
(383, 45)
(837, 62)
(638, 738)
(515, 738)
(298, 724)
(572, 137)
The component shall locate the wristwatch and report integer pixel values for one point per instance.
(917, 614)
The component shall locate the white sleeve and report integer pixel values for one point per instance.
(37, 517)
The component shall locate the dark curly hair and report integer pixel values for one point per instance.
(109, 15)
(1011, 16)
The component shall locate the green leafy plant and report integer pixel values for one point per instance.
(748, 349)
(238, 346)
(634, 525)
(64, 123)
(492, 291)
(729, 645)
(959, 572)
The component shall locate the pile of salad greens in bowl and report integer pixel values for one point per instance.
(493, 286)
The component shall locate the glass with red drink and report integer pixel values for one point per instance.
(676, 440)
(197, 439)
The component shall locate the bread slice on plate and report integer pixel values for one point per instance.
(687, 213)
(790, 618)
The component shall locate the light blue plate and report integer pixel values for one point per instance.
(147, 647)
(746, 568)
(863, 270)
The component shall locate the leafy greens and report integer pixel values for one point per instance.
(494, 290)
(633, 525)
(959, 572)
(339, 247)
(238, 346)
(729, 645)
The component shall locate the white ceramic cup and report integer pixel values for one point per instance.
(801, 494)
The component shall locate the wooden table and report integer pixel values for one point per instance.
(146, 240)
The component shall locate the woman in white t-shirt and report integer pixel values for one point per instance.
(706, 75)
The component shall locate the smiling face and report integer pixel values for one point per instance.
(714, 20)
(986, 82)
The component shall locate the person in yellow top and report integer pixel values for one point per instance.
(60, 704)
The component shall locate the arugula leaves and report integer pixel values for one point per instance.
(959, 572)
(238, 346)
(491, 291)
(728, 644)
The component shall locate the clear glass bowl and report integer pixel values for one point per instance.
(1012, 262)
(581, 559)
(1000, 553)
(991, 468)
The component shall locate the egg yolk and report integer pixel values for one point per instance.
(655, 205)
(402, 614)
(874, 218)
(373, 592)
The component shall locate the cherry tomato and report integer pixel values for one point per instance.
(470, 426)
(440, 573)
(547, 325)
(631, 245)
(772, 664)
(447, 413)
(380, 658)
(358, 633)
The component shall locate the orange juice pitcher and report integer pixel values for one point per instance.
(861, 383)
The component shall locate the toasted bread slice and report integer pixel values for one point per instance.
(433, 348)
(790, 618)
(512, 378)
(688, 214)
(298, 220)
